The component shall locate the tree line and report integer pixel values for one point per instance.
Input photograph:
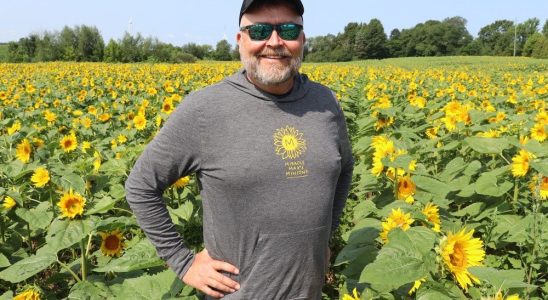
(85, 43)
(358, 41)
(431, 38)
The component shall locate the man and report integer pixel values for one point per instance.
(272, 156)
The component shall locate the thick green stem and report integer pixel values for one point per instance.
(51, 200)
(396, 183)
(2, 229)
(84, 268)
(70, 271)
(515, 199)
(534, 245)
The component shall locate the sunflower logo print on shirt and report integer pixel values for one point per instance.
(290, 144)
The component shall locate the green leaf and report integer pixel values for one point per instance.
(361, 257)
(163, 285)
(65, 233)
(487, 145)
(13, 169)
(538, 149)
(117, 191)
(73, 181)
(27, 267)
(471, 210)
(7, 295)
(488, 184)
(4, 261)
(37, 218)
(431, 294)
(114, 167)
(359, 239)
(501, 279)
(432, 185)
(184, 212)
(112, 223)
(141, 256)
(364, 209)
(102, 206)
(541, 166)
(514, 226)
(407, 257)
(472, 168)
(452, 169)
(401, 161)
(86, 290)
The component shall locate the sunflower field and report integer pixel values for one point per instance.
(448, 200)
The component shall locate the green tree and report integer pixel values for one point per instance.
(545, 28)
(497, 38)
(199, 51)
(532, 43)
(130, 48)
(68, 43)
(222, 50)
(524, 31)
(372, 41)
(47, 48)
(90, 43)
(112, 52)
(541, 48)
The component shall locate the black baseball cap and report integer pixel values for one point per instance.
(297, 4)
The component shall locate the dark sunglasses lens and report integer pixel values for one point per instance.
(260, 32)
(289, 32)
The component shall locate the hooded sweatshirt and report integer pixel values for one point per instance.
(274, 173)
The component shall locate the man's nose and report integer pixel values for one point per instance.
(274, 40)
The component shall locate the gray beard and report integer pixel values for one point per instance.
(274, 75)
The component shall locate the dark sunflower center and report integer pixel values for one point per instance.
(112, 242)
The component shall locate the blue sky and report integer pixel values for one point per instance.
(208, 21)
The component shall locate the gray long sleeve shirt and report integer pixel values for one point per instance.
(274, 173)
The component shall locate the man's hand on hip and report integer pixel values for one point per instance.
(204, 275)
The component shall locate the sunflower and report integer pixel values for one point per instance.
(50, 116)
(182, 182)
(69, 142)
(520, 163)
(140, 122)
(111, 244)
(397, 218)
(459, 252)
(406, 189)
(432, 132)
(40, 177)
(538, 132)
(71, 204)
(354, 295)
(431, 211)
(30, 294)
(8, 202)
(167, 106)
(23, 150)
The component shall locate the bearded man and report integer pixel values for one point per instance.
(271, 153)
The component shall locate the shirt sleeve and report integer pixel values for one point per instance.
(347, 166)
(173, 153)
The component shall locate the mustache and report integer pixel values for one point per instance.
(275, 52)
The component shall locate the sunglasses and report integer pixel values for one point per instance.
(263, 31)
